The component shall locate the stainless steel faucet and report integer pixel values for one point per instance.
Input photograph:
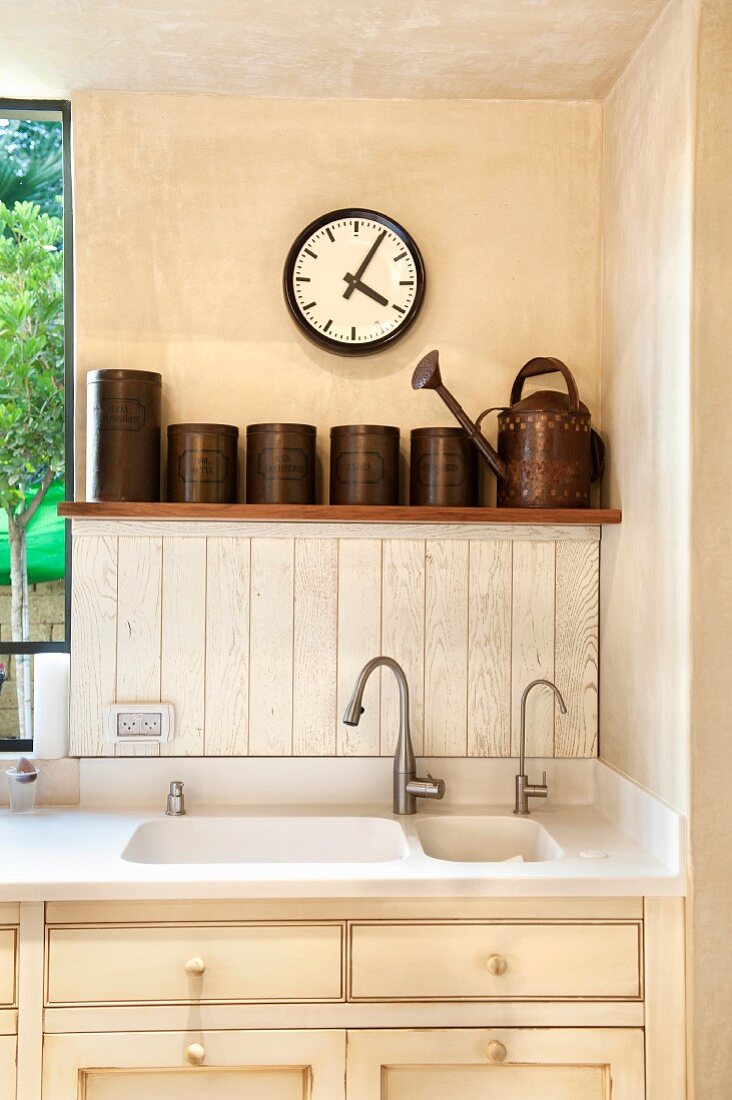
(524, 789)
(407, 787)
(176, 802)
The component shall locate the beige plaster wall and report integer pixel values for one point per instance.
(186, 207)
(711, 527)
(644, 676)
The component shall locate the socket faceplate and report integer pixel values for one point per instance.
(136, 722)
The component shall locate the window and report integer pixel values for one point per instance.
(36, 402)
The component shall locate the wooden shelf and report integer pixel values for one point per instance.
(325, 513)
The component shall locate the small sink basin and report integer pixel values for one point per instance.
(486, 840)
(267, 840)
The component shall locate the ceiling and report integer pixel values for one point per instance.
(424, 49)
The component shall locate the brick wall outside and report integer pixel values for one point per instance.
(47, 625)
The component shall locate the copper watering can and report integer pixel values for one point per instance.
(548, 452)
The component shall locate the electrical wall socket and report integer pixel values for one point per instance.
(135, 722)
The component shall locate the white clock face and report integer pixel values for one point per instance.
(354, 281)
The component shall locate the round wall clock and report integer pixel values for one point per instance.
(354, 281)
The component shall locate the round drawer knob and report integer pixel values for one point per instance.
(195, 1054)
(497, 965)
(496, 1051)
(195, 967)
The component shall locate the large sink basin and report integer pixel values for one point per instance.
(486, 839)
(267, 840)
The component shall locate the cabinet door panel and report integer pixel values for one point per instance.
(496, 1083)
(216, 1084)
(7, 966)
(236, 1065)
(7, 1067)
(551, 1063)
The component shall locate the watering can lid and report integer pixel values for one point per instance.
(546, 401)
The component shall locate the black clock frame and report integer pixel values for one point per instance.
(302, 322)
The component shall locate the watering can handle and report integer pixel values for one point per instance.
(546, 364)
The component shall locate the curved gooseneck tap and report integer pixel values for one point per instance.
(524, 789)
(407, 787)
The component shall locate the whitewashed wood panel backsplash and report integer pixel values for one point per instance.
(255, 632)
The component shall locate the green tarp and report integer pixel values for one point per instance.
(46, 541)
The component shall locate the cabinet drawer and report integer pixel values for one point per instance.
(436, 962)
(8, 941)
(243, 962)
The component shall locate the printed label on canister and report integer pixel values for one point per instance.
(121, 414)
(203, 467)
(449, 470)
(284, 464)
(359, 468)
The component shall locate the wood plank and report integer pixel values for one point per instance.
(314, 672)
(139, 624)
(227, 647)
(183, 642)
(337, 513)
(665, 995)
(489, 649)
(576, 646)
(270, 658)
(359, 639)
(446, 650)
(303, 529)
(94, 652)
(532, 644)
(402, 636)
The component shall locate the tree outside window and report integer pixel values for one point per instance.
(32, 452)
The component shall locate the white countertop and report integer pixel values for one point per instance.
(76, 854)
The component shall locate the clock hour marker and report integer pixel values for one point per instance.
(399, 309)
(355, 228)
(353, 332)
(302, 279)
(406, 282)
(332, 238)
(400, 256)
(309, 252)
(327, 325)
(310, 305)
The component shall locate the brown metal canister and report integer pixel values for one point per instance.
(281, 464)
(364, 464)
(443, 468)
(123, 435)
(202, 463)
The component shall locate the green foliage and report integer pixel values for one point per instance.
(31, 351)
(30, 163)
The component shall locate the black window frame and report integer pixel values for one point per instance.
(28, 108)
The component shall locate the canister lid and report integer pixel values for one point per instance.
(203, 429)
(255, 429)
(364, 429)
(439, 433)
(113, 374)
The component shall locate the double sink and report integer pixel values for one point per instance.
(302, 840)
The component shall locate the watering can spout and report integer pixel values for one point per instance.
(427, 376)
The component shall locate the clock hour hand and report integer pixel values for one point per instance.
(354, 283)
(367, 260)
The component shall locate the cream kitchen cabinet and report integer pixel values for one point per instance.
(373, 999)
(497, 1064)
(217, 1065)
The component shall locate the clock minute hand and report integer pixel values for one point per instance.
(369, 257)
(356, 284)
